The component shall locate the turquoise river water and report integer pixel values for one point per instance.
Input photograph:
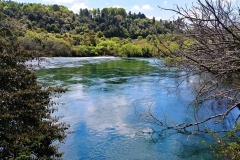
(105, 99)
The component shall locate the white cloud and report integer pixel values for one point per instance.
(156, 18)
(58, 1)
(150, 17)
(76, 7)
(66, 1)
(165, 3)
(75, 4)
(117, 6)
(136, 7)
(147, 7)
(144, 7)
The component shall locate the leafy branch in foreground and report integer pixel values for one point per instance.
(27, 129)
(228, 144)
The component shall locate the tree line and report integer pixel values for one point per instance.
(113, 22)
(54, 30)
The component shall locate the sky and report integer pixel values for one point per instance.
(148, 7)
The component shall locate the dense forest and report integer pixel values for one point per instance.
(54, 30)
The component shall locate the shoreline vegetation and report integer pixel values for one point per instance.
(54, 30)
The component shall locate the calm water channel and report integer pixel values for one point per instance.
(101, 102)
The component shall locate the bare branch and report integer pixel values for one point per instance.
(213, 60)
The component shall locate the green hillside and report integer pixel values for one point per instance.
(54, 30)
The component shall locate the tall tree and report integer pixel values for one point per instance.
(27, 129)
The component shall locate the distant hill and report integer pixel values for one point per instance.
(55, 28)
(113, 22)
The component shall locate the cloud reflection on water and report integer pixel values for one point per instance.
(100, 109)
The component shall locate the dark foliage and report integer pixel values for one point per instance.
(27, 129)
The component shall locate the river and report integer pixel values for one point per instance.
(105, 99)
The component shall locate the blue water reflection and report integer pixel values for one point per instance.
(102, 96)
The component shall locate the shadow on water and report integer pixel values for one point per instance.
(100, 101)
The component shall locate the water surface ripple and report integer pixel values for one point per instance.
(100, 107)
